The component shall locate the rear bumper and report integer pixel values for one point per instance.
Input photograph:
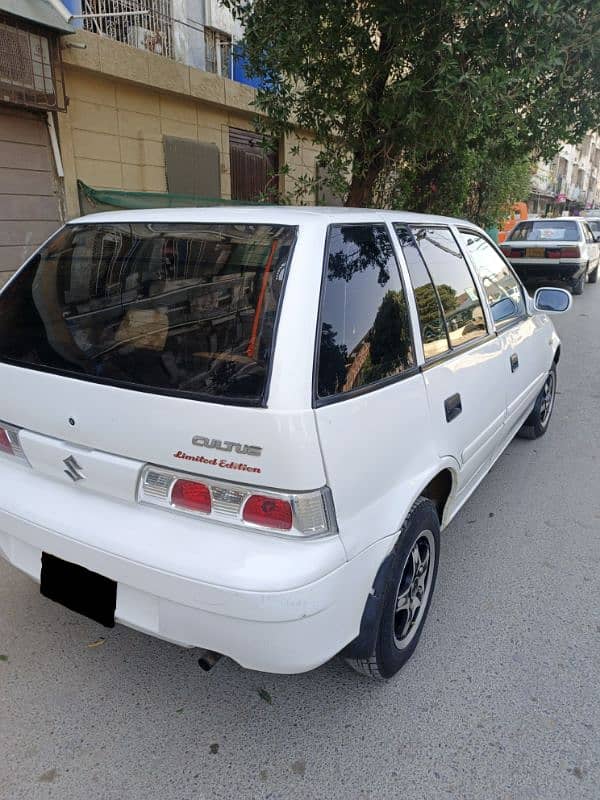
(549, 272)
(280, 625)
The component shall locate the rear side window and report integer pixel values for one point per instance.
(594, 225)
(177, 308)
(454, 284)
(431, 319)
(502, 289)
(365, 333)
(545, 230)
(587, 232)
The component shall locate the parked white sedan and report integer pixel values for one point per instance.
(242, 429)
(562, 249)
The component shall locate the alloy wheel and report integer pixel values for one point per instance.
(547, 399)
(414, 589)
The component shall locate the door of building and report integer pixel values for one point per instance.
(29, 190)
(253, 167)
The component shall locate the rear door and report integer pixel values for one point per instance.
(525, 355)
(370, 401)
(464, 372)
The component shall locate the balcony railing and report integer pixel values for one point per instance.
(149, 25)
(145, 24)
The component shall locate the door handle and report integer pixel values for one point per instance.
(514, 362)
(453, 407)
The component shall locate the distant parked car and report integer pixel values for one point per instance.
(563, 249)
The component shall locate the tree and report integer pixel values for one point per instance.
(410, 100)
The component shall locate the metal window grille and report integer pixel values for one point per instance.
(31, 71)
(218, 52)
(145, 24)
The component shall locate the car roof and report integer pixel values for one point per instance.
(553, 219)
(282, 215)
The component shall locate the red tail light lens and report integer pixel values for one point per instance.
(191, 495)
(295, 514)
(505, 249)
(516, 252)
(5, 445)
(569, 252)
(556, 253)
(268, 512)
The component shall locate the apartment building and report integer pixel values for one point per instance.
(570, 182)
(152, 106)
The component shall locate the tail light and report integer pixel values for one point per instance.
(555, 253)
(505, 249)
(570, 252)
(269, 512)
(191, 496)
(9, 442)
(516, 252)
(299, 514)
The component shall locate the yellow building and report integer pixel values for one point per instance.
(140, 121)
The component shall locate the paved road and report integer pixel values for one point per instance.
(501, 701)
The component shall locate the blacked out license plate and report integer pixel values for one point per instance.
(79, 589)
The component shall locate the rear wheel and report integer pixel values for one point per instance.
(578, 285)
(409, 588)
(537, 422)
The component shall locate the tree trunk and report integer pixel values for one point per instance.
(362, 185)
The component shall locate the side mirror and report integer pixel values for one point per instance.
(552, 301)
(597, 237)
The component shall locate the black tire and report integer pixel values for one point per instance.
(577, 287)
(538, 421)
(593, 276)
(394, 636)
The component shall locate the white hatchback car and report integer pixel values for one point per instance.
(242, 429)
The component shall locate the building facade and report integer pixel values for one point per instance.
(569, 183)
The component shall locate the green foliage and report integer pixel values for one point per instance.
(437, 104)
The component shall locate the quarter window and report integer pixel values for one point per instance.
(431, 318)
(365, 331)
(454, 284)
(502, 289)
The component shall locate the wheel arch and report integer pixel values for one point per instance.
(556, 358)
(439, 490)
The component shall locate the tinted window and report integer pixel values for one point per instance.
(594, 226)
(179, 308)
(431, 320)
(463, 312)
(502, 289)
(365, 330)
(545, 230)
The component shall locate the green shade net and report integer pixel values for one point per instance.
(92, 200)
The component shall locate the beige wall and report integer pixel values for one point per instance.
(112, 134)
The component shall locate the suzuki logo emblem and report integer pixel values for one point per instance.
(73, 470)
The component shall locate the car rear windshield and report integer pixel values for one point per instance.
(546, 230)
(174, 308)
